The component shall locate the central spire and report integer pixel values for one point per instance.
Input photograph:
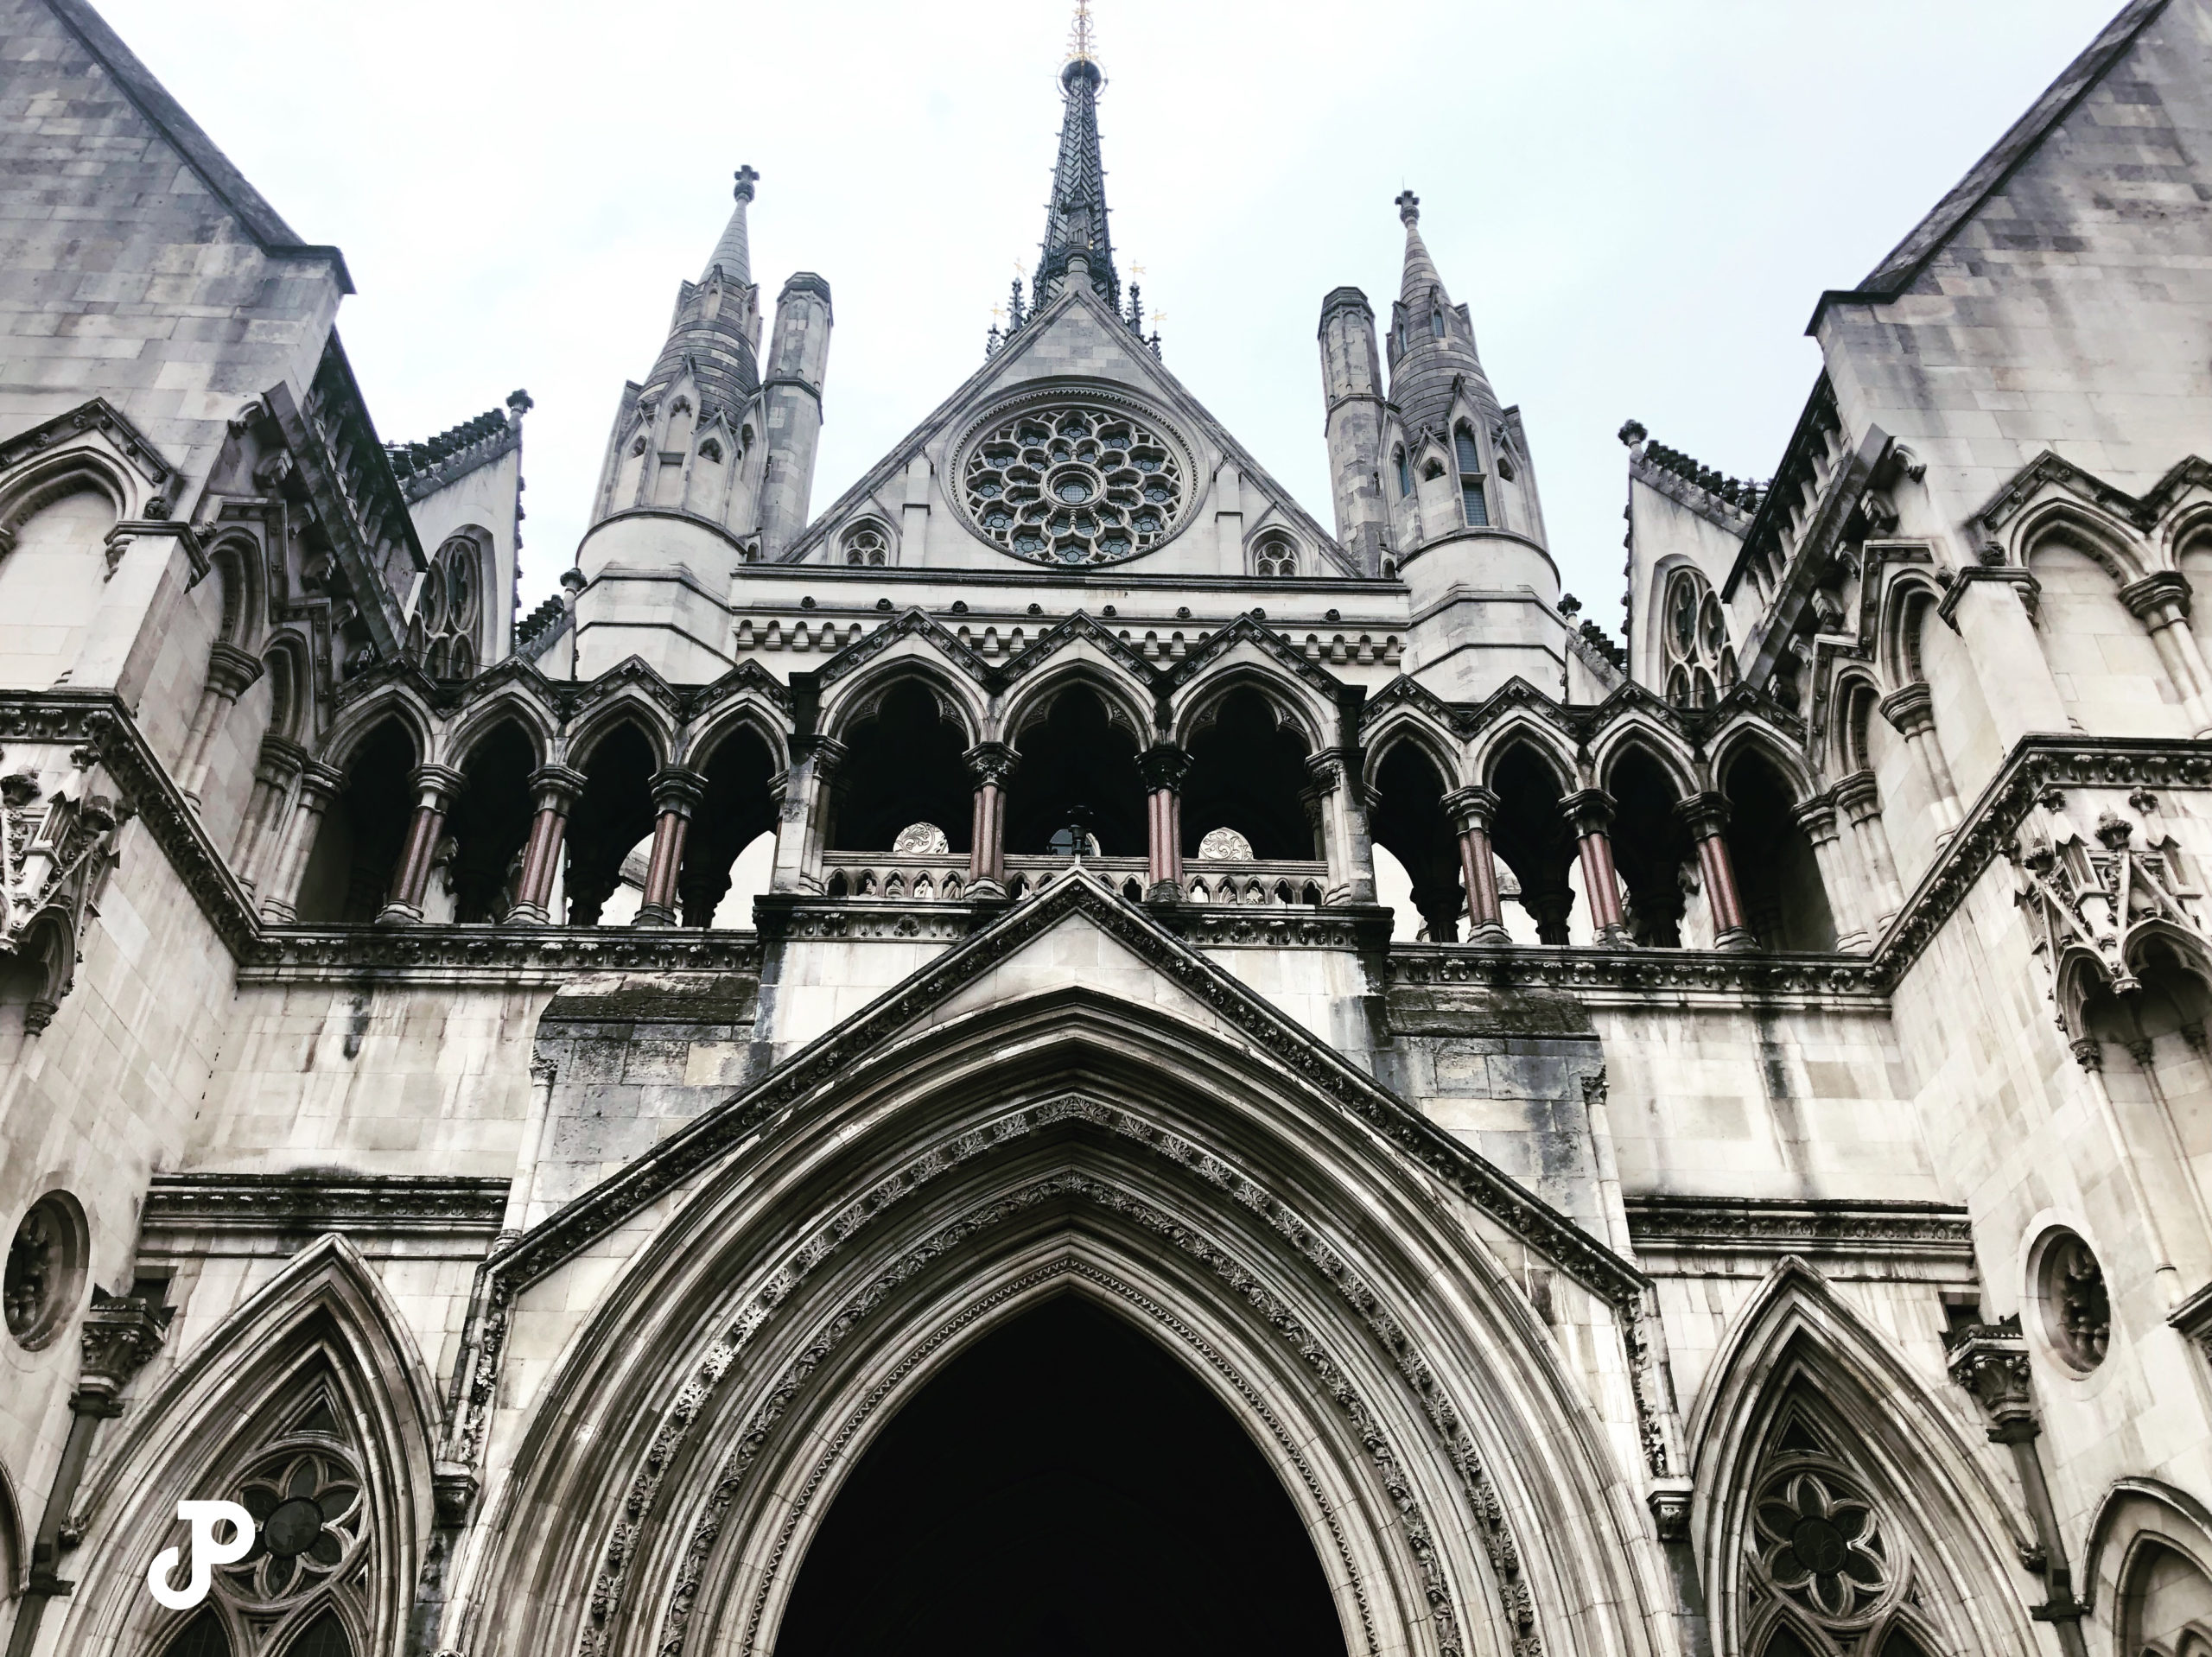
(1075, 222)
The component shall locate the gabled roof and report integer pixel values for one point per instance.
(978, 391)
(228, 185)
(913, 1004)
(1902, 268)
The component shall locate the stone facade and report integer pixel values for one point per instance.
(1690, 1145)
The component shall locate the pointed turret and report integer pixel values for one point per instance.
(1432, 341)
(1075, 221)
(733, 255)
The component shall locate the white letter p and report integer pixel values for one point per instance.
(207, 1551)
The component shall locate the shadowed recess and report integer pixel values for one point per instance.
(1063, 1486)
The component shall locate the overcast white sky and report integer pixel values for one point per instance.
(1641, 200)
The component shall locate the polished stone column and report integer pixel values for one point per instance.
(1817, 817)
(1912, 711)
(436, 789)
(1590, 812)
(1706, 816)
(319, 786)
(1861, 801)
(1165, 767)
(230, 671)
(991, 764)
(676, 794)
(1338, 801)
(2160, 602)
(279, 762)
(1472, 810)
(553, 791)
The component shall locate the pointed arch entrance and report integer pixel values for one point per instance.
(1065, 1483)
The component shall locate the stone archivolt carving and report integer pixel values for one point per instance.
(828, 1239)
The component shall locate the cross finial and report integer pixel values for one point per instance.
(1079, 42)
(747, 178)
(1408, 207)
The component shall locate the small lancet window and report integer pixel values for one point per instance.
(1436, 322)
(1470, 482)
(1405, 474)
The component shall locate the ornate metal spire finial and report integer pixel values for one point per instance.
(1079, 40)
(1408, 207)
(747, 178)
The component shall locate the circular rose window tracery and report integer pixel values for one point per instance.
(1074, 484)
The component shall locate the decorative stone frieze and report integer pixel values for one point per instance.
(1785, 1226)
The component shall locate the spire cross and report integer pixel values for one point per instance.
(747, 178)
(1079, 35)
(1408, 207)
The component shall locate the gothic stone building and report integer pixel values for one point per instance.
(851, 1083)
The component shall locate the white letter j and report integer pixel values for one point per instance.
(207, 1551)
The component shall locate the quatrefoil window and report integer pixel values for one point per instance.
(1074, 484)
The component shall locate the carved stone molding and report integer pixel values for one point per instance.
(1642, 977)
(488, 955)
(1785, 1226)
(119, 1334)
(183, 1211)
(1991, 1362)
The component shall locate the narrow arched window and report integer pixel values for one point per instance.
(1436, 321)
(1275, 556)
(1471, 482)
(1405, 474)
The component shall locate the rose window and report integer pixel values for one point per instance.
(1821, 1544)
(1074, 485)
(307, 1515)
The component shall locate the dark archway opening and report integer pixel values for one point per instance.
(736, 807)
(1651, 849)
(1408, 821)
(903, 765)
(349, 873)
(1063, 1487)
(1078, 776)
(1785, 903)
(1248, 774)
(489, 823)
(612, 815)
(1532, 839)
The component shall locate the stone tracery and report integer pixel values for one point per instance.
(1074, 482)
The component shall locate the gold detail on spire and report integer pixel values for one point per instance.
(1080, 45)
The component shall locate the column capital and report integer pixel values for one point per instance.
(231, 670)
(824, 754)
(1704, 815)
(555, 788)
(119, 1334)
(319, 783)
(1164, 765)
(2157, 599)
(991, 762)
(1910, 708)
(1858, 795)
(1991, 1362)
(436, 786)
(678, 790)
(1328, 769)
(1590, 810)
(1816, 816)
(278, 762)
(1474, 807)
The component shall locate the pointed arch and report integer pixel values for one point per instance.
(292, 688)
(1746, 733)
(914, 659)
(1910, 597)
(625, 705)
(397, 699)
(15, 1538)
(1637, 730)
(1525, 731)
(2137, 1520)
(1117, 1157)
(744, 710)
(322, 1331)
(1300, 706)
(1797, 1351)
(1409, 722)
(1127, 699)
(517, 701)
(1853, 699)
(2107, 540)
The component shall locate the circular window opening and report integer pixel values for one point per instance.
(2069, 1290)
(46, 1269)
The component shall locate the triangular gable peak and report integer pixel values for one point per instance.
(2050, 472)
(1086, 628)
(1245, 631)
(632, 673)
(1910, 257)
(820, 1066)
(1073, 341)
(1405, 691)
(1518, 696)
(747, 678)
(908, 623)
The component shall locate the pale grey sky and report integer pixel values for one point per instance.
(1640, 199)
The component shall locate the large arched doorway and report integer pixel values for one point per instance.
(1064, 1486)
